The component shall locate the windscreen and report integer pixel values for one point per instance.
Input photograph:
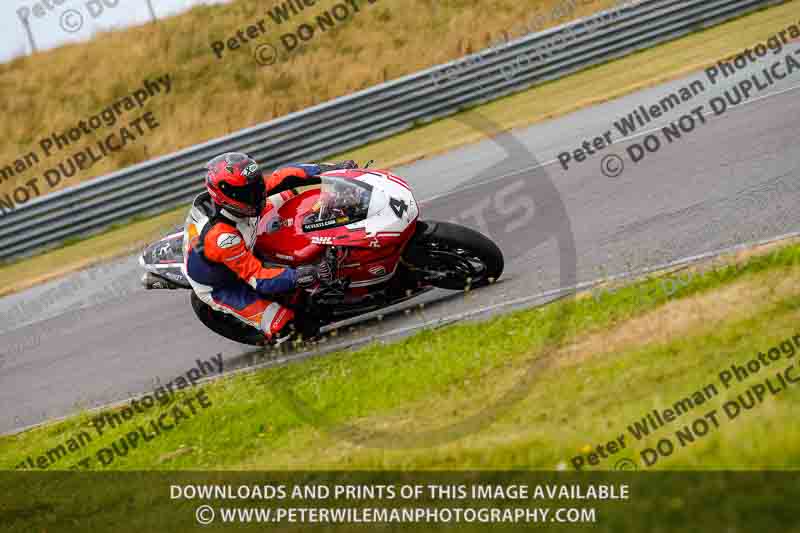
(341, 202)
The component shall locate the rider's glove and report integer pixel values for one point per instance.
(344, 165)
(308, 274)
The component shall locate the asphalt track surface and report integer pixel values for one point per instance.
(96, 337)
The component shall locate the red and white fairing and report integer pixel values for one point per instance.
(373, 235)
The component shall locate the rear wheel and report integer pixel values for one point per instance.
(226, 325)
(454, 257)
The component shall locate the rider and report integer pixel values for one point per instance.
(220, 234)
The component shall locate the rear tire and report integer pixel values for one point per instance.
(455, 257)
(226, 325)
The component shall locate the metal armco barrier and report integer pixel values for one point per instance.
(365, 116)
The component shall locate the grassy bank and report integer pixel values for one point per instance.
(50, 92)
(622, 357)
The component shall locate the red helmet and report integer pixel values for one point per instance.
(235, 183)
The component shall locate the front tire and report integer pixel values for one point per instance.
(455, 257)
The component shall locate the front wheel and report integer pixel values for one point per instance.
(454, 257)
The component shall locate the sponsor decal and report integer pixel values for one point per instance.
(228, 240)
(331, 222)
(174, 276)
(321, 240)
(163, 250)
(377, 271)
(276, 322)
(250, 170)
(375, 243)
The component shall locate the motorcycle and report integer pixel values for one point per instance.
(364, 224)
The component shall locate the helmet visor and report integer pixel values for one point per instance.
(251, 194)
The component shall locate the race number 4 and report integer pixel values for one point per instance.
(398, 206)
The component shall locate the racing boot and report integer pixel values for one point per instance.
(300, 328)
